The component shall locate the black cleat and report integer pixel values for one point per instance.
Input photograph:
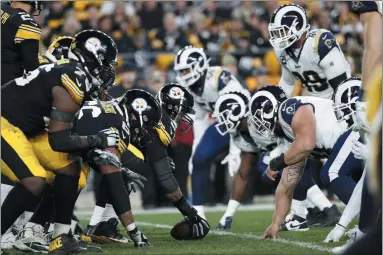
(314, 217)
(107, 232)
(66, 244)
(331, 216)
(294, 223)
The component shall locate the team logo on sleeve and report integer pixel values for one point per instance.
(139, 105)
(176, 93)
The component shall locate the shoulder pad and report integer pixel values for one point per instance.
(223, 79)
(289, 107)
(324, 41)
(28, 28)
(360, 7)
(75, 81)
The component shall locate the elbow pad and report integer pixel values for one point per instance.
(165, 175)
(64, 141)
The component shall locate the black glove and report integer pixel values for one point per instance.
(105, 139)
(171, 164)
(199, 225)
(131, 179)
(139, 239)
(103, 158)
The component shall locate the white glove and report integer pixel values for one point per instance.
(336, 234)
(233, 159)
(104, 158)
(361, 124)
(359, 150)
(109, 137)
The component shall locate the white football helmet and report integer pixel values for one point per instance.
(190, 64)
(287, 24)
(229, 110)
(345, 98)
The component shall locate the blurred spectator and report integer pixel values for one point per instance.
(127, 80)
(125, 43)
(92, 20)
(151, 15)
(182, 15)
(105, 24)
(230, 64)
(156, 82)
(244, 11)
(71, 25)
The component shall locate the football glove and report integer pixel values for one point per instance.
(132, 179)
(139, 239)
(108, 138)
(336, 234)
(200, 227)
(104, 158)
(233, 159)
(361, 124)
(359, 150)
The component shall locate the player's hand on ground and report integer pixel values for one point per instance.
(104, 158)
(139, 239)
(132, 179)
(200, 226)
(271, 232)
(335, 234)
(108, 138)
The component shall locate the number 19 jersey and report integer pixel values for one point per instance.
(319, 65)
(25, 101)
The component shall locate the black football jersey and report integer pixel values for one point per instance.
(27, 100)
(16, 27)
(95, 116)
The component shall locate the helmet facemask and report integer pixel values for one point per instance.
(227, 122)
(264, 125)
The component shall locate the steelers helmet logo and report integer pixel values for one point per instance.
(93, 44)
(139, 105)
(176, 93)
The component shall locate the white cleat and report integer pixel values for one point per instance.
(9, 238)
(31, 239)
(294, 223)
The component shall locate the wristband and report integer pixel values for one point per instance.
(278, 163)
(361, 94)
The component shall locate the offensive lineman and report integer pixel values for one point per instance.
(206, 84)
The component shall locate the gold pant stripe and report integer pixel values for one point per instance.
(136, 152)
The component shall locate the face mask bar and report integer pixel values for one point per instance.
(281, 37)
(263, 127)
(225, 125)
(346, 112)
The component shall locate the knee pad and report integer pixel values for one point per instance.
(165, 175)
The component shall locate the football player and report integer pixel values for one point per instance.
(206, 84)
(20, 36)
(294, 120)
(310, 56)
(55, 90)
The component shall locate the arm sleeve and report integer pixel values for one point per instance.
(335, 67)
(29, 51)
(287, 82)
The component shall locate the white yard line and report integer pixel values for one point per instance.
(247, 236)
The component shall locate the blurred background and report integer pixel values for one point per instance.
(234, 35)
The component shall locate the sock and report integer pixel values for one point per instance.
(231, 209)
(18, 199)
(316, 196)
(61, 229)
(108, 213)
(65, 196)
(44, 210)
(5, 189)
(51, 227)
(309, 205)
(130, 227)
(343, 187)
(352, 209)
(23, 219)
(73, 225)
(96, 215)
(200, 210)
(299, 208)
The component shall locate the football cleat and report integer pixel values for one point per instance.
(314, 217)
(31, 239)
(107, 232)
(66, 244)
(294, 223)
(226, 226)
(331, 216)
(139, 239)
(9, 238)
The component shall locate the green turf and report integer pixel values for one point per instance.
(245, 222)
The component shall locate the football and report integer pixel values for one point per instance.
(182, 230)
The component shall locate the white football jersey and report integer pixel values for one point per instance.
(245, 142)
(217, 83)
(319, 64)
(328, 128)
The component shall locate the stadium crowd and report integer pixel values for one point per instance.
(234, 34)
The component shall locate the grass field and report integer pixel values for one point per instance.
(245, 237)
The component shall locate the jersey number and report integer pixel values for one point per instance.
(92, 106)
(312, 81)
(24, 80)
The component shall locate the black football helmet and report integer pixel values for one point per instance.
(37, 6)
(98, 54)
(229, 110)
(345, 98)
(59, 48)
(178, 103)
(144, 113)
(264, 109)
